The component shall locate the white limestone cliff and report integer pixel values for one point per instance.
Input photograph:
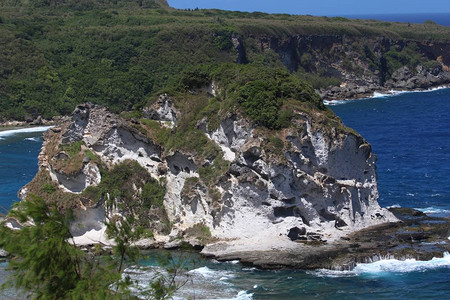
(321, 185)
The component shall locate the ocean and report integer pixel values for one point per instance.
(18, 161)
(409, 132)
(439, 18)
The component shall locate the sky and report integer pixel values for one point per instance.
(322, 7)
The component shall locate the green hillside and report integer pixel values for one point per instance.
(58, 53)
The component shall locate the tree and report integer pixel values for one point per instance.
(47, 265)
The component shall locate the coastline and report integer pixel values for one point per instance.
(383, 93)
(343, 252)
(6, 131)
(15, 124)
(399, 241)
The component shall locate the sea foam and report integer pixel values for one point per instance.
(434, 210)
(378, 95)
(33, 139)
(387, 266)
(23, 130)
(212, 274)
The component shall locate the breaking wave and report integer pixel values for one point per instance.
(394, 206)
(23, 130)
(386, 266)
(378, 95)
(434, 210)
(33, 139)
(200, 283)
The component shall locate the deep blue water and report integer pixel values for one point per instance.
(18, 163)
(410, 133)
(439, 18)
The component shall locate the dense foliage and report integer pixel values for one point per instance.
(129, 188)
(58, 53)
(47, 265)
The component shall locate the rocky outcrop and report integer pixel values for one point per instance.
(318, 185)
(418, 236)
(3, 253)
(161, 110)
(363, 66)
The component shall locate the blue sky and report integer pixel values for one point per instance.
(322, 7)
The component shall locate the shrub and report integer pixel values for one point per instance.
(49, 188)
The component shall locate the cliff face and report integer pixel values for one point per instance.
(316, 184)
(362, 65)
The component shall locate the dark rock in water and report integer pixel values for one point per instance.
(406, 212)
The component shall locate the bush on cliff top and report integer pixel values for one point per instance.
(259, 91)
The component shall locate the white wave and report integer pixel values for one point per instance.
(433, 210)
(204, 271)
(233, 262)
(335, 102)
(212, 274)
(378, 95)
(406, 266)
(394, 206)
(242, 295)
(389, 266)
(410, 194)
(33, 139)
(391, 93)
(24, 130)
(200, 283)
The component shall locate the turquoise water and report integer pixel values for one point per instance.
(389, 279)
(410, 133)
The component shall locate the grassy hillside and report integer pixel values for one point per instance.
(58, 53)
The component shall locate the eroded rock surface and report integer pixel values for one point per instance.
(417, 236)
(362, 64)
(310, 184)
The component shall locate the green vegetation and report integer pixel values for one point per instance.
(130, 188)
(210, 174)
(72, 149)
(153, 194)
(47, 266)
(49, 188)
(56, 54)
(200, 231)
(72, 161)
(408, 56)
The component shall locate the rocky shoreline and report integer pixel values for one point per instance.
(14, 124)
(402, 80)
(417, 236)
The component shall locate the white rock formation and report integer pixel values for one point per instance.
(321, 186)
